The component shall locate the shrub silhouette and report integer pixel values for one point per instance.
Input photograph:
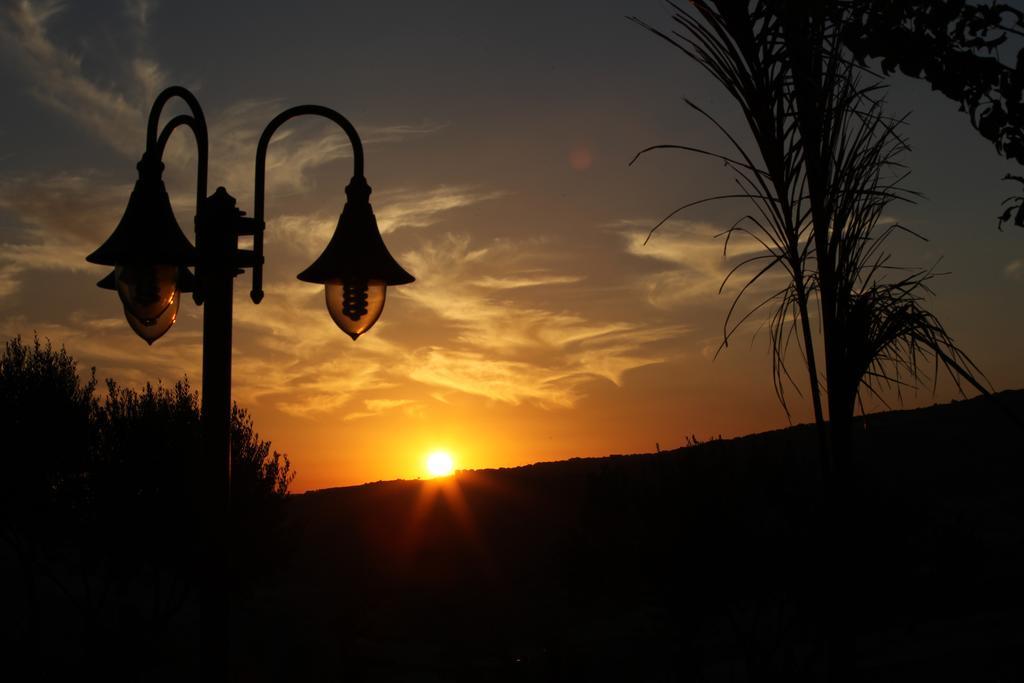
(47, 426)
(101, 514)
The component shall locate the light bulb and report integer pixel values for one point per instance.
(154, 329)
(355, 307)
(147, 291)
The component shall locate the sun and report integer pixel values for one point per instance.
(440, 464)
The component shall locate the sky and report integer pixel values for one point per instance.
(498, 138)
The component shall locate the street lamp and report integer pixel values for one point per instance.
(152, 258)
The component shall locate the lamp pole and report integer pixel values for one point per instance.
(151, 259)
(218, 244)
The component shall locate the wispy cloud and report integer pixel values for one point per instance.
(63, 206)
(506, 349)
(398, 132)
(321, 387)
(500, 380)
(44, 257)
(140, 11)
(418, 208)
(485, 322)
(59, 80)
(376, 406)
(306, 233)
(1014, 270)
(290, 355)
(57, 220)
(526, 280)
(699, 263)
(560, 382)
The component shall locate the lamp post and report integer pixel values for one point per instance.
(151, 258)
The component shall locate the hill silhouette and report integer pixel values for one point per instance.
(702, 563)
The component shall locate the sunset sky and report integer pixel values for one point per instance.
(498, 137)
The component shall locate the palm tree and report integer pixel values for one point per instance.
(823, 168)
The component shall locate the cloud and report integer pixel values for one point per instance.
(526, 280)
(372, 135)
(500, 380)
(699, 264)
(484, 321)
(64, 205)
(58, 220)
(44, 257)
(421, 208)
(305, 233)
(289, 354)
(140, 11)
(376, 406)
(559, 384)
(505, 349)
(1014, 270)
(60, 82)
(317, 389)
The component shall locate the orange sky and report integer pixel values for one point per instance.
(497, 142)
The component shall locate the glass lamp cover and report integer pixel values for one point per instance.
(355, 307)
(147, 291)
(155, 329)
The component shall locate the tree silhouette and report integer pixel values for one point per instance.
(955, 46)
(101, 509)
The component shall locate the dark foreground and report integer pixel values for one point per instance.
(702, 564)
(699, 564)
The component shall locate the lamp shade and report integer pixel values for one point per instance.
(148, 232)
(356, 252)
(149, 253)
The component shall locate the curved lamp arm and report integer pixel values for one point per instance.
(197, 122)
(165, 135)
(261, 172)
(268, 132)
